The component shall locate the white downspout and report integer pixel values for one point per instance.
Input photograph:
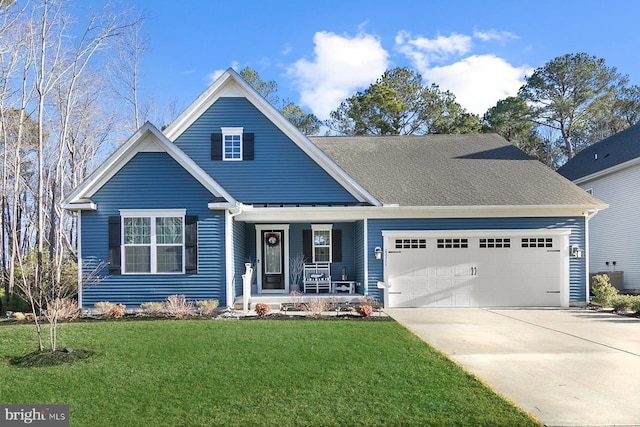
(588, 215)
(229, 251)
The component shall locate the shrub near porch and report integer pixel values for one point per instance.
(258, 372)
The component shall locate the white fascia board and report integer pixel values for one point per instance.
(233, 85)
(353, 213)
(85, 206)
(607, 171)
(215, 206)
(147, 138)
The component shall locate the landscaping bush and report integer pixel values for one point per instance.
(152, 308)
(621, 303)
(177, 306)
(66, 308)
(262, 309)
(18, 315)
(602, 290)
(365, 310)
(635, 303)
(318, 305)
(116, 312)
(103, 307)
(207, 306)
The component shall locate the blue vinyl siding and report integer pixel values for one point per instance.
(281, 171)
(348, 254)
(155, 181)
(577, 275)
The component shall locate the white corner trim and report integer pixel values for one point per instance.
(79, 255)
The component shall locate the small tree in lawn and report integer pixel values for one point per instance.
(51, 299)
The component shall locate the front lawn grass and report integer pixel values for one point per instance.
(251, 373)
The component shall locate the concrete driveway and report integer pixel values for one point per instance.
(570, 367)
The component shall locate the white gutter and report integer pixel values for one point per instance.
(587, 256)
(229, 251)
(353, 213)
(587, 218)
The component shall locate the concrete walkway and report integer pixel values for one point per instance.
(566, 367)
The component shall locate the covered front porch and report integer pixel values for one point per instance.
(296, 261)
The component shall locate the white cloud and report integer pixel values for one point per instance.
(501, 36)
(340, 66)
(478, 81)
(423, 51)
(212, 77)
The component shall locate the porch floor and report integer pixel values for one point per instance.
(276, 301)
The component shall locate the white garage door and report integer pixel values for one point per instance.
(512, 268)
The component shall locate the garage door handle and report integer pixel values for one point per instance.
(553, 292)
(394, 293)
(553, 250)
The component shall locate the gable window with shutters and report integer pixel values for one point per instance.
(232, 144)
(152, 242)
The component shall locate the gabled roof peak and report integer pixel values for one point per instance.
(147, 138)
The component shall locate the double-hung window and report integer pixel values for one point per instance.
(321, 235)
(153, 241)
(232, 143)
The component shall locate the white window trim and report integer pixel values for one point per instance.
(153, 214)
(232, 131)
(321, 227)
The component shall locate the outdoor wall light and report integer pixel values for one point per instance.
(377, 252)
(576, 251)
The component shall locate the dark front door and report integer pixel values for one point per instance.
(272, 260)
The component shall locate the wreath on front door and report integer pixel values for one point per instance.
(272, 239)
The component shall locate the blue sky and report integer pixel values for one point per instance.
(321, 52)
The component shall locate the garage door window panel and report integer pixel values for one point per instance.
(486, 243)
(537, 242)
(453, 243)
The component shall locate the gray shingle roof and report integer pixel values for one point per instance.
(450, 170)
(604, 154)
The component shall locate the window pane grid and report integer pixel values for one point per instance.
(153, 244)
(137, 231)
(169, 259)
(232, 147)
(137, 259)
(322, 245)
(168, 230)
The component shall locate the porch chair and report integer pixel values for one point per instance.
(317, 277)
